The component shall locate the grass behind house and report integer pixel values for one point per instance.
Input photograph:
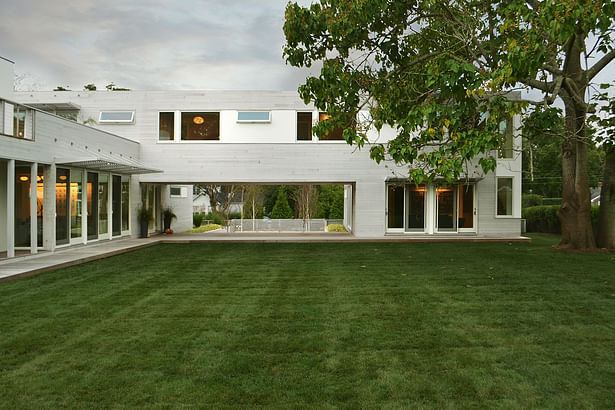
(331, 324)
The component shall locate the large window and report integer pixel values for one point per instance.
(166, 126)
(335, 134)
(62, 206)
(200, 126)
(304, 126)
(504, 196)
(506, 140)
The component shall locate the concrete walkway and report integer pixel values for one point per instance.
(28, 265)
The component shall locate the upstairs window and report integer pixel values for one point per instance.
(304, 126)
(505, 150)
(19, 122)
(253, 116)
(200, 126)
(116, 117)
(336, 134)
(166, 126)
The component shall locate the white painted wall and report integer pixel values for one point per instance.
(264, 152)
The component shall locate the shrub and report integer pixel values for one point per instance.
(215, 217)
(544, 218)
(528, 200)
(337, 228)
(551, 201)
(206, 228)
(197, 219)
(281, 209)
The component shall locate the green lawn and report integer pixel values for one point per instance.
(328, 325)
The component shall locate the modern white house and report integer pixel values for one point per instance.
(152, 146)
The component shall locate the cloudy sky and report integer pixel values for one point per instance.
(151, 44)
(147, 44)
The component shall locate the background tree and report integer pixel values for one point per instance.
(606, 129)
(543, 133)
(89, 87)
(253, 202)
(306, 202)
(281, 208)
(438, 72)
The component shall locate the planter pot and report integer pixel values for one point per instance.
(143, 229)
(166, 224)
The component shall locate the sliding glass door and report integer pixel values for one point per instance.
(62, 206)
(92, 205)
(116, 205)
(446, 215)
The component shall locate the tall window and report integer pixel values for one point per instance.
(304, 126)
(166, 126)
(506, 139)
(200, 126)
(504, 196)
(19, 122)
(335, 133)
(125, 201)
(76, 204)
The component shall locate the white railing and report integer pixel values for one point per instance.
(281, 225)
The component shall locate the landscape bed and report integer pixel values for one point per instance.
(315, 324)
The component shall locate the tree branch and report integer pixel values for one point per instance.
(596, 68)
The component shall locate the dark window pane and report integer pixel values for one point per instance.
(335, 133)
(416, 207)
(167, 127)
(505, 187)
(200, 126)
(395, 206)
(62, 204)
(304, 126)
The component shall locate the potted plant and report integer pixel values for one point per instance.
(167, 217)
(144, 215)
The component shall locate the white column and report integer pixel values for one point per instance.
(84, 207)
(10, 208)
(49, 207)
(33, 206)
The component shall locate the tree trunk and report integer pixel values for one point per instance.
(575, 211)
(606, 218)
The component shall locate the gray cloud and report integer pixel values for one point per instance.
(157, 44)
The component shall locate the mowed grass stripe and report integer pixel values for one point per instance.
(315, 324)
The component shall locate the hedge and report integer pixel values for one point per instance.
(544, 218)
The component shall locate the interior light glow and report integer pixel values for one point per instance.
(23, 178)
(198, 120)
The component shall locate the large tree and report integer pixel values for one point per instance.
(439, 72)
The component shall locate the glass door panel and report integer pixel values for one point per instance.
(22, 206)
(446, 215)
(39, 206)
(116, 205)
(466, 207)
(92, 205)
(76, 187)
(395, 209)
(62, 203)
(103, 204)
(125, 202)
(416, 208)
